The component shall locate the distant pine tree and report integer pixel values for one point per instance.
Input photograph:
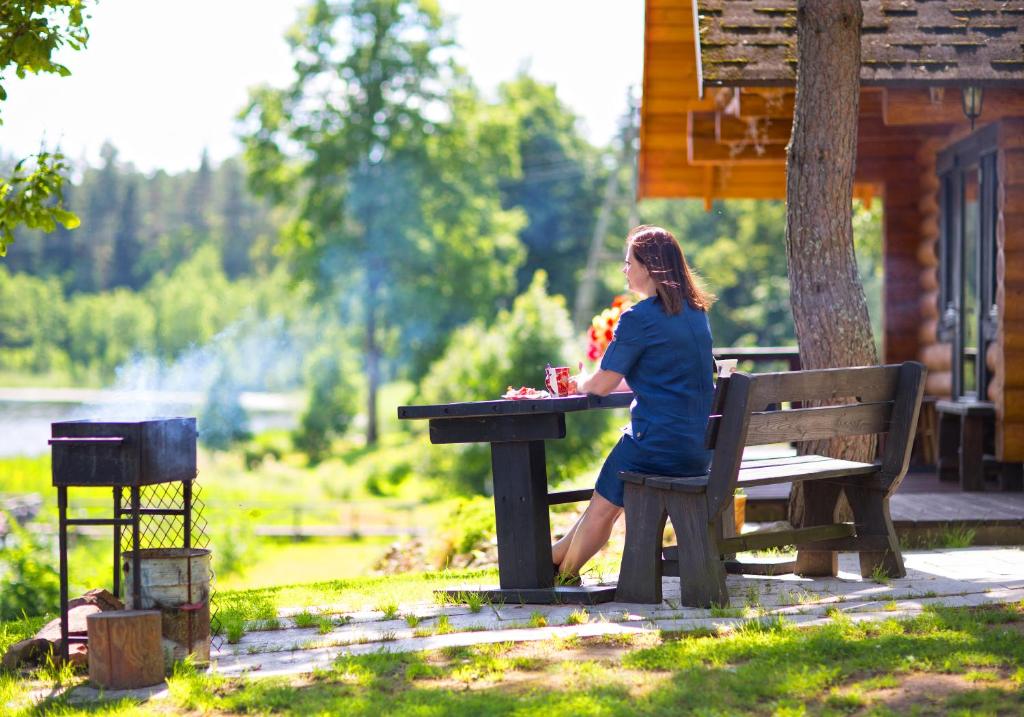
(235, 209)
(94, 242)
(196, 209)
(128, 241)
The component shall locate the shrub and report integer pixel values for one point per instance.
(481, 361)
(29, 584)
(469, 526)
(330, 408)
(32, 323)
(106, 330)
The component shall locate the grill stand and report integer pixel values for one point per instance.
(131, 517)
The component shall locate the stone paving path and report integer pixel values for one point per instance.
(954, 578)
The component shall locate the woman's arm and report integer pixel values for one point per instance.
(603, 382)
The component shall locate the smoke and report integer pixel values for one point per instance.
(257, 357)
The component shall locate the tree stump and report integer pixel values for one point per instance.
(125, 649)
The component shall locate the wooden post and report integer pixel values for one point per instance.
(125, 649)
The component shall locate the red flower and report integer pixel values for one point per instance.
(601, 330)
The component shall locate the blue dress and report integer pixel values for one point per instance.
(667, 362)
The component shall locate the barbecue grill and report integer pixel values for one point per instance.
(153, 460)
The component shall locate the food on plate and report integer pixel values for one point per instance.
(524, 393)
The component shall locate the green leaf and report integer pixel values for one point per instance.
(69, 219)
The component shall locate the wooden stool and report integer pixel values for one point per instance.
(125, 649)
(968, 448)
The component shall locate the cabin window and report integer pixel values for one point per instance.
(967, 258)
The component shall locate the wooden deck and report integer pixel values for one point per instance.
(923, 508)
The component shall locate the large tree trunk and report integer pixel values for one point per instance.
(829, 308)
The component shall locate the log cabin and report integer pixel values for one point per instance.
(940, 143)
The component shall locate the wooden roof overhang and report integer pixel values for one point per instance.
(718, 82)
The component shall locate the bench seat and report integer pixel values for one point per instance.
(765, 471)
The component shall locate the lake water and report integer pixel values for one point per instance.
(25, 421)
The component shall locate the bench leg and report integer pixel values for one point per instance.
(640, 570)
(871, 514)
(820, 498)
(701, 570)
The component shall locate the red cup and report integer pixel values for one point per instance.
(557, 380)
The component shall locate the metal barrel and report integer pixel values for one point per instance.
(175, 581)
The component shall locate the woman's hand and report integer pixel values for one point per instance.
(601, 382)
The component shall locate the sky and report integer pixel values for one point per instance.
(164, 81)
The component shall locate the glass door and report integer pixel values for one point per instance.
(967, 259)
(970, 299)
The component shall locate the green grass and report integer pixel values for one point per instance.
(958, 537)
(578, 617)
(306, 561)
(726, 611)
(382, 593)
(305, 619)
(766, 667)
(953, 536)
(388, 610)
(878, 575)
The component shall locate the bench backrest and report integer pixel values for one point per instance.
(827, 403)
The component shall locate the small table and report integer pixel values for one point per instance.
(516, 431)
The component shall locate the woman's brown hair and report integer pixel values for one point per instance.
(659, 252)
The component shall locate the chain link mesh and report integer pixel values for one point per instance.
(168, 531)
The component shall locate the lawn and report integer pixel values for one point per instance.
(946, 661)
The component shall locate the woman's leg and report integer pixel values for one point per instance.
(588, 536)
(561, 546)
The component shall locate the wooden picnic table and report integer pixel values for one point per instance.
(517, 431)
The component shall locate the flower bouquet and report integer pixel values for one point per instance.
(602, 328)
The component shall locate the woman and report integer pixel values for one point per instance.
(662, 352)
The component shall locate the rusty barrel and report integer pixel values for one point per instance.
(175, 581)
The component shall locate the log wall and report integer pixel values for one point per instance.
(935, 355)
(888, 157)
(1007, 389)
(1005, 357)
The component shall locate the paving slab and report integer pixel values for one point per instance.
(951, 578)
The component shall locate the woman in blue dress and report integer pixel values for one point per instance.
(661, 351)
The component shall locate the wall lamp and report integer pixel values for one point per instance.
(972, 99)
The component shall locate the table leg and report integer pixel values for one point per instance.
(521, 515)
(524, 533)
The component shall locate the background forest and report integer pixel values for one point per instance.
(387, 235)
(165, 265)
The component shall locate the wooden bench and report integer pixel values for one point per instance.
(885, 400)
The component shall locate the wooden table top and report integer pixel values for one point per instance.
(506, 407)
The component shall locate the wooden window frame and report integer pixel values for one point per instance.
(981, 149)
